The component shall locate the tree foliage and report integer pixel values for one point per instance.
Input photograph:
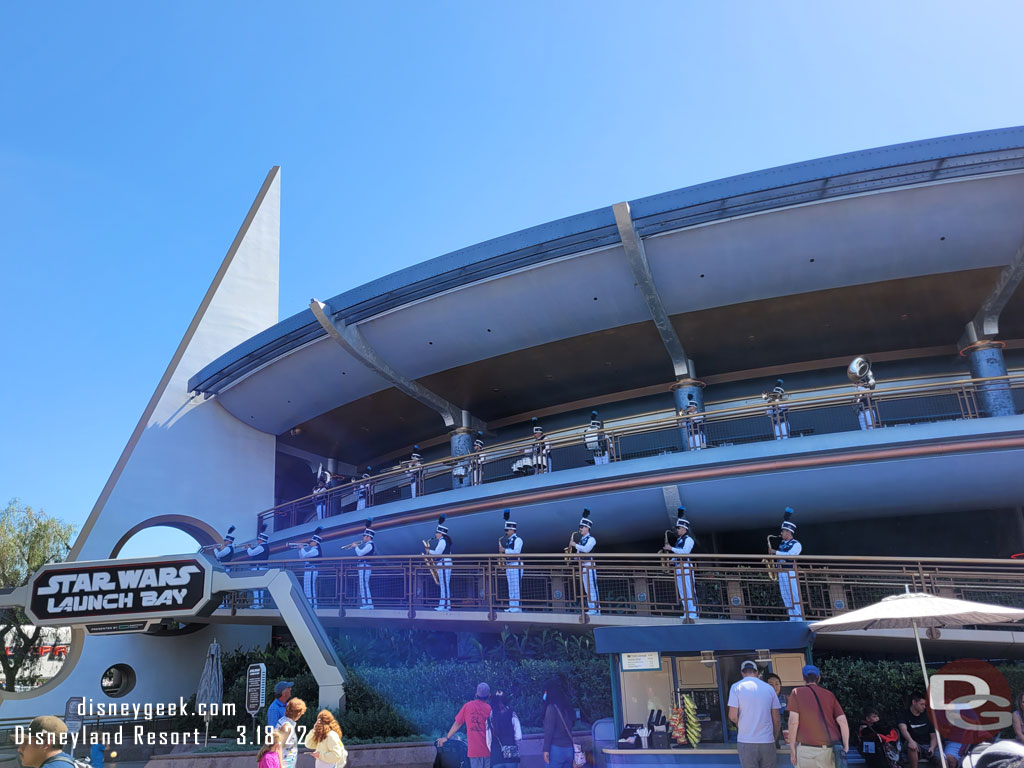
(29, 539)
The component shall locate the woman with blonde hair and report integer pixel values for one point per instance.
(325, 741)
(270, 753)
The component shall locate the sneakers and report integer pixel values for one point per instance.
(365, 607)
(439, 608)
(592, 612)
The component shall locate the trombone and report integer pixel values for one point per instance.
(430, 563)
(770, 564)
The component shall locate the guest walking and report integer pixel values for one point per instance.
(325, 741)
(506, 733)
(558, 714)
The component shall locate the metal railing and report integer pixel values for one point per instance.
(727, 586)
(733, 423)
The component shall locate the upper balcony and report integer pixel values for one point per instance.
(749, 442)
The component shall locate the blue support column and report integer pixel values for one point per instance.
(986, 361)
(462, 445)
(687, 393)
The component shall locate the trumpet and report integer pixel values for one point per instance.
(430, 563)
(353, 545)
(294, 545)
(770, 565)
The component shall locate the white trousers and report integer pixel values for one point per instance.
(365, 598)
(321, 510)
(514, 577)
(257, 594)
(790, 591)
(601, 458)
(309, 586)
(590, 585)
(687, 590)
(360, 502)
(444, 578)
(866, 418)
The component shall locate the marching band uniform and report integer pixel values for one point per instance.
(584, 546)
(865, 413)
(477, 477)
(511, 544)
(365, 548)
(789, 589)
(441, 550)
(227, 549)
(363, 491)
(311, 552)
(694, 426)
(414, 472)
(684, 568)
(777, 412)
(259, 553)
(320, 499)
(596, 440)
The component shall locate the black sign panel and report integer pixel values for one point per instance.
(116, 627)
(71, 593)
(255, 687)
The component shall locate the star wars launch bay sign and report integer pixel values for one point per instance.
(152, 588)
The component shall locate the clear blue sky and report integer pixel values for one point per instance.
(134, 136)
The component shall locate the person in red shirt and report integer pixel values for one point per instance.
(474, 716)
(816, 722)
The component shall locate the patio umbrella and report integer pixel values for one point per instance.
(211, 683)
(917, 609)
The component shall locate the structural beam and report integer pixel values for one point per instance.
(634, 248)
(353, 342)
(985, 324)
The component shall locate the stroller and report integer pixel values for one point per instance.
(453, 754)
(879, 749)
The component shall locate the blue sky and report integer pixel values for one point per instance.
(135, 135)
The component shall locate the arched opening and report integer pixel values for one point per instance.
(165, 535)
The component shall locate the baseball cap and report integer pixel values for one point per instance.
(483, 691)
(810, 669)
(47, 729)
(748, 664)
(279, 688)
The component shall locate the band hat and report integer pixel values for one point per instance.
(537, 429)
(316, 537)
(787, 523)
(681, 520)
(368, 530)
(509, 524)
(228, 536)
(263, 537)
(478, 443)
(441, 527)
(415, 453)
(586, 520)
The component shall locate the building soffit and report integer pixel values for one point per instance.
(352, 341)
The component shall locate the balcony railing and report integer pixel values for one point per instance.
(739, 587)
(812, 412)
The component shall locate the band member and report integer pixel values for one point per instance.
(511, 544)
(865, 408)
(364, 549)
(478, 461)
(227, 548)
(259, 553)
(585, 546)
(788, 587)
(311, 553)
(596, 440)
(695, 438)
(777, 410)
(684, 568)
(860, 374)
(413, 468)
(441, 550)
(363, 491)
(320, 497)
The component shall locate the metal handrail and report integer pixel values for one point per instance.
(728, 586)
(964, 390)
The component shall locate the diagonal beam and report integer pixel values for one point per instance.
(353, 342)
(634, 248)
(985, 324)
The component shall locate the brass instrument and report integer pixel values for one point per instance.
(667, 562)
(501, 551)
(353, 545)
(294, 545)
(571, 549)
(771, 565)
(430, 563)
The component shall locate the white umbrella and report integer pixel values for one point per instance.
(211, 683)
(916, 609)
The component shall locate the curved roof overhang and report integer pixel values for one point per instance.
(931, 207)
